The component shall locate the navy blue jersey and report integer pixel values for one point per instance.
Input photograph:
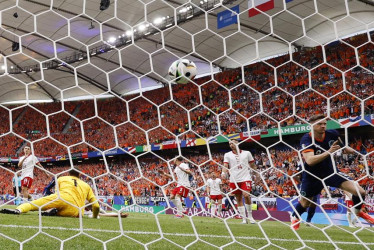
(299, 168)
(48, 189)
(325, 167)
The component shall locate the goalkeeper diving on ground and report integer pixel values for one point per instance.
(72, 197)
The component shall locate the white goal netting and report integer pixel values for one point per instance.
(85, 85)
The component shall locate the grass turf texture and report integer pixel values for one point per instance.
(140, 230)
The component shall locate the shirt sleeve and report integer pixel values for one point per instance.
(226, 158)
(184, 166)
(306, 144)
(250, 157)
(91, 196)
(334, 132)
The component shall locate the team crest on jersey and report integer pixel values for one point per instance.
(331, 142)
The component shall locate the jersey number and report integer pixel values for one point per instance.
(240, 167)
(75, 182)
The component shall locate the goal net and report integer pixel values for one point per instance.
(86, 86)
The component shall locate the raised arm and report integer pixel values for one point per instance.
(186, 170)
(166, 174)
(21, 162)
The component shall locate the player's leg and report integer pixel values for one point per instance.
(312, 209)
(248, 206)
(174, 200)
(34, 205)
(349, 204)
(309, 188)
(241, 207)
(219, 206)
(178, 203)
(26, 185)
(349, 218)
(213, 206)
(229, 202)
(25, 192)
(357, 191)
(300, 208)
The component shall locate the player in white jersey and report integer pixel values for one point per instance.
(27, 162)
(182, 171)
(238, 163)
(215, 194)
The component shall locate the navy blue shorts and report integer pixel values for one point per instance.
(311, 186)
(314, 198)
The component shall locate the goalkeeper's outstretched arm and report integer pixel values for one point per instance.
(95, 210)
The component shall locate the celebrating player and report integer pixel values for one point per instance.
(72, 190)
(238, 163)
(182, 172)
(318, 163)
(27, 162)
(214, 190)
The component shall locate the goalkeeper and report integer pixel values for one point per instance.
(73, 194)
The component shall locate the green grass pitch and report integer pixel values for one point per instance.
(144, 231)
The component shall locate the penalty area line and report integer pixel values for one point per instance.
(181, 235)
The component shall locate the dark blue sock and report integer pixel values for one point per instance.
(299, 209)
(311, 212)
(356, 200)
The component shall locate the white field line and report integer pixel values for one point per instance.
(179, 234)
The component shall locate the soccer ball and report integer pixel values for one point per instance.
(182, 71)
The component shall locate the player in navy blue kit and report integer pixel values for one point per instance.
(313, 205)
(320, 170)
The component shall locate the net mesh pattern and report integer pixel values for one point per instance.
(262, 98)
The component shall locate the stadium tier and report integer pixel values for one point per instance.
(65, 126)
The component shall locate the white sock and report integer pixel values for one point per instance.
(242, 212)
(213, 209)
(349, 218)
(353, 218)
(178, 203)
(249, 210)
(219, 209)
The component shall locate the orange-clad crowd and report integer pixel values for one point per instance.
(163, 117)
(307, 85)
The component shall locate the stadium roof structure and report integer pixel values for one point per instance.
(73, 49)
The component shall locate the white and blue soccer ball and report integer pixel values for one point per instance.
(182, 71)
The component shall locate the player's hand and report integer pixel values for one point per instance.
(124, 215)
(334, 147)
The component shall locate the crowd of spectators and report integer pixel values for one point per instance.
(267, 97)
(127, 176)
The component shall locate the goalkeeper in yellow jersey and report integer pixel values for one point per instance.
(73, 194)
